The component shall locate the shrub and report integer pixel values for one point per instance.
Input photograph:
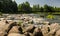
(50, 17)
(0, 14)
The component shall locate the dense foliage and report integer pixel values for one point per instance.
(9, 6)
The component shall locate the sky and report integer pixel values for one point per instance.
(41, 2)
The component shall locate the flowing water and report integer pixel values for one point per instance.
(57, 17)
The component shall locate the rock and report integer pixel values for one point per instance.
(54, 26)
(2, 33)
(6, 28)
(45, 29)
(57, 33)
(46, 22)
(15, 29)
(27, 34)
(30, 29)
(2, 23)
(21, 30)
(37, 32)
(52, 32)
(15, 34)
(7, 22)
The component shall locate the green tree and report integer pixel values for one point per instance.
(48, 8)
(20, 7)
(8, 6)
(14, 6)
(41, 9)
(36, 8)
(0, 6)
(24, 7)
(27, 6)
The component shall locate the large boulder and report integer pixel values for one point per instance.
(2, 33)
(54, 26)
(37, 32)
(7, 27)
(57, 33)
(52, 32)
(45, 29)
(4, 29)
(15, 29)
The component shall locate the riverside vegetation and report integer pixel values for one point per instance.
(13, 7)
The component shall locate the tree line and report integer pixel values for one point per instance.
(9, 6)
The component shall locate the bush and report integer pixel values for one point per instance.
(50, 17)
(0, 14)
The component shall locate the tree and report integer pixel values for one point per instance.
(27, 6)
(57, 9)
(8, 6)
(48, 8)
(1, 5)
(19, 7)
(24, 7)
(41, 9)
(36, 8)
(14, 7)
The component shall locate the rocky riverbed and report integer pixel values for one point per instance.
(27, 25)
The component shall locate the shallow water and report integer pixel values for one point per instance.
(57, 17)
